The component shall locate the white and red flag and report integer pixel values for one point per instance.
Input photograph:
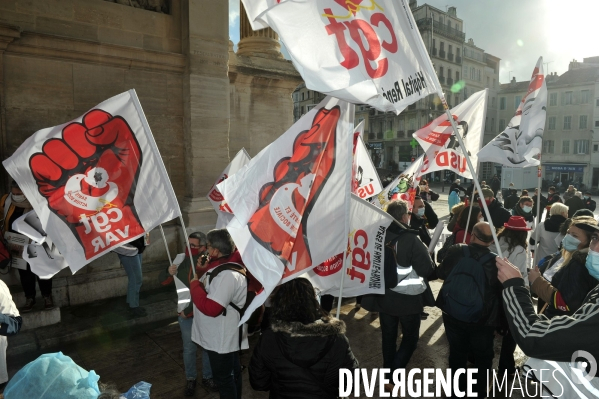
(404, 185)
(96, 182)
(365, 270)
(443, 151)
(366, 181)
(368, 52)
(216, 198)
(520, 144)
(291, 201)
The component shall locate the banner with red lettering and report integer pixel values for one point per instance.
(367, 52)
(440, 144)
(366, 179)
(365, 270)
(404, 185)
(291, 201)
(96, 182)
(520, 144)
(216, 198)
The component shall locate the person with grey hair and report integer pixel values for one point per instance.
(184, 273)
(407, 268)
(218, 297)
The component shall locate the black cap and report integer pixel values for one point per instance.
(592, 228)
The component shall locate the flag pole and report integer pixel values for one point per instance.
(347, 210)
(471, 168)
(188, 247)
(534, 262)
(168, 253)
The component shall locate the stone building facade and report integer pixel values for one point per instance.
(571, 136)
(59, 58)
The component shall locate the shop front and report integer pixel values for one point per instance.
(562, 175)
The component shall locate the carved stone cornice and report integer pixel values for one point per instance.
(8, 33)
(76, 50)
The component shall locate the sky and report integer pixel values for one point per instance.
(517, 31)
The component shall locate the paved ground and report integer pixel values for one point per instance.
(153, 353)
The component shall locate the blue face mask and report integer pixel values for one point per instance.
(592, 264)
(420, 212)
(570, 243)
(527, 209)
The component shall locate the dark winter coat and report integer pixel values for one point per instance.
(499, 215)
(430, 221)
(553, 198)
(518, 211)
(590, 204)
(456, 186)
(543, 204)
(511, 200)
(574, 204)
(429, 196)
(414, 253)
(492, 310)
(573, 282)
(495, 185)
(295, 360)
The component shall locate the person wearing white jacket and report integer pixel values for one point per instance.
(512, 241)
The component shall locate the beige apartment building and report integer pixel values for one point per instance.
(571, 137)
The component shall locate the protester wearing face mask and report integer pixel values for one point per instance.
(524, 209)
(566, 281)
(499, 215)
(426, 193)
(13, 206)
(422, 219)
(197, 243)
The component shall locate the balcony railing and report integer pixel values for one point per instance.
(441, 29)
(379, 135)
(450, 57)
(400, 134)
(435, 51)
(458, 59)
(449, 81)
(371, 136)
(442, 54)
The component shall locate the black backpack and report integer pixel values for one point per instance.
(463, 292)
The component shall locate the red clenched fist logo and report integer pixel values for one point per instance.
(89, 177)
(279, 223)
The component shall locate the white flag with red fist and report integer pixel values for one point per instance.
(442, 147)
(216, 198)
(365, 269)
(520, 144)
(95, 182)
(291, 201)
(366, 179)
(367, 52)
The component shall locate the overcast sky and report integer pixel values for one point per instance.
(517, 31)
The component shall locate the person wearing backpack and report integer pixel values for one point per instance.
(406, 288)
(470, 299)
(218, 297)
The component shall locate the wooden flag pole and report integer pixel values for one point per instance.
(471, 168)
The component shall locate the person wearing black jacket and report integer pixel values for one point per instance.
(423, 218)
(588, 202)
(495, 184)
(475, 338)
(426, 193)
(499, 215)
(535, 200)
(574, 203)
(402, 304)
(512, 199)
(552, 198)
(300, 355)
(524, 208)
(456, 186)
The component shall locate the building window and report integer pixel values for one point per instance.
(488, 82)
(566, 147)
(302, 96)
(502, 103)
(582, 122)
(596, 123)
(581, 146)
(493, 102)
(595, 147)
(548, 146)
(567, 98)
(567, 122)
(502, 124)
(552, 123)
(457, 76)
(457, 100)
(494, 83)
(440, 72)
(597, 102)
(517, 101)
(585, 97)
(553, 99)
(442, 46)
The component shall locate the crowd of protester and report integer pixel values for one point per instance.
(301, 347)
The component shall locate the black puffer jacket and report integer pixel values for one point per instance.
(573, 282)
(499, 215)
(492, 310)
(414, 254)
(295, 360)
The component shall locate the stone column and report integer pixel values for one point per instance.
(205, 38)
(7, 34)
(260, 43)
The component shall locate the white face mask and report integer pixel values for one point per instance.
(18, 198)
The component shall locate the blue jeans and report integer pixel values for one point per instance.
(132, 265)
(190, 349)
(394, 358)
(227, 374)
